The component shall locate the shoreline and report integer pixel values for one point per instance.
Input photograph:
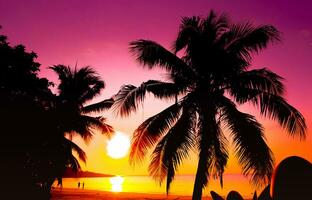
(85, 194)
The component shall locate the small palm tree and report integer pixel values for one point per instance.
(71, 116)
(208, 81)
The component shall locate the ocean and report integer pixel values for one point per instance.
(182, 185)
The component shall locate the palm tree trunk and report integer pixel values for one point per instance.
(207, 129)
(202, 174)
(198, 186)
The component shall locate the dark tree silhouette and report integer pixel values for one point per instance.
(36, 125)
(69, 116)
(208, 81)
(23, 99)
(76, 89)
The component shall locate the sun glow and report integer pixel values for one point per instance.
(116, 183)
(118, 145)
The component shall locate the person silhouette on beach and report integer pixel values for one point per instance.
(61, 184)
(82, 185)
(78, 185)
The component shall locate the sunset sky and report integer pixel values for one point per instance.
(98, 32)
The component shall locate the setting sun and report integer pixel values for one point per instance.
(118, 145)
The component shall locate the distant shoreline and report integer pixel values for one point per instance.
(84, 174)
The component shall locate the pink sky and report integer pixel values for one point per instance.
(98, 32)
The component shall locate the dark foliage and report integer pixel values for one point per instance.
(36, 125)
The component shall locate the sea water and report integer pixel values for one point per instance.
(182, 185)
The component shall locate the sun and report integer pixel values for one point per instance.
(118, 145)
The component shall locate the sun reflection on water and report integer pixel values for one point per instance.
(116, 183)
(183, 185)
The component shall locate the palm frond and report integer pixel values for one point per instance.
(93, 90)
(128, 99)
(85, 73)
(85, 126)
(78, 86)
(259, 80)
(276, 107)
(173, 148)
(170, 175)
(148, 133)
(246, 38)
(90, 83)
(82, 129)
(151, 54)
(74, 163)
(264, 89)
(98, 107)
(189, 28)
(164, 89)
(98, 123)
(214, 25)
(157, 168)
(220, 156)
(181, 140)
(250, 147)
(64, 73)
(81, 154)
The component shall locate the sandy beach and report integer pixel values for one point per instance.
(75, 194)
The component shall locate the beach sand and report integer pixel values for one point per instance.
(78, 194)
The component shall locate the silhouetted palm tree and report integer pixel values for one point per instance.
(208, 81)
(76, 89)
(71, 116)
